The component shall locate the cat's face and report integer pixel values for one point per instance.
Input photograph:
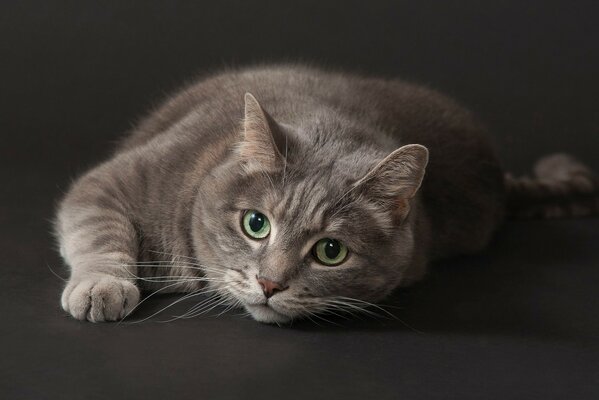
(289, 241)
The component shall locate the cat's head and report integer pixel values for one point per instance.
(300, 221)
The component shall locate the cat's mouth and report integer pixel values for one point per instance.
(263, 312)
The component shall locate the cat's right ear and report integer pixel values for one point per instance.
(396, 179)
(263, 142)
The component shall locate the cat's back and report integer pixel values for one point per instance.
(294, 93)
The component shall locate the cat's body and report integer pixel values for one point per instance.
(309, 157)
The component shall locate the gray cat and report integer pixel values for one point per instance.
(292, 191)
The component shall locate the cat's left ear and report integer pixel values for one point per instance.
(396, 179)
(263, 141)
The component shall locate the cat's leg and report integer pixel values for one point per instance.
(99, 242)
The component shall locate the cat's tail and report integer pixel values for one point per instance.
(560, 187)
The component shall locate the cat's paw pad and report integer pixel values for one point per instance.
(100, 299)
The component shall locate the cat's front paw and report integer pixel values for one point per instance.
(99, 298)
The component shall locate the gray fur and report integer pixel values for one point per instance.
(322, 154)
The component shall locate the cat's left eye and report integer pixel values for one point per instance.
(255, 224)
(329, 252)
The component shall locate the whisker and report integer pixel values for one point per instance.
(197, 307)
(55, 274)
(144, 300)
(171, 278)
(236, 304)
(362, 309)
(210, 298)
(222, 302)
(205, 308)
(314, 322)
(349, 299)
(329, 310)
(368, 304)
(187, 296)
(353, 313)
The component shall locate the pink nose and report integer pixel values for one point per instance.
(269, 287)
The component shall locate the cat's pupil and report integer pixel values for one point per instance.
(256, 222)
(332, 249)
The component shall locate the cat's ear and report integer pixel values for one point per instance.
(396, 179)
(263, 142)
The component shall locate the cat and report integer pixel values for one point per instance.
(291, 191)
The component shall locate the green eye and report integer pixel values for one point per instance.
(255, 224)
(330, 251)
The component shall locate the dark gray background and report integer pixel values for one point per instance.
(518, 321)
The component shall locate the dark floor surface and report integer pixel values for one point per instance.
(519, 321)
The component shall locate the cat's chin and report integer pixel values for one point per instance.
(265, 314)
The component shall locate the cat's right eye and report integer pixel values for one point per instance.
(329, 252)
(255, 224)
